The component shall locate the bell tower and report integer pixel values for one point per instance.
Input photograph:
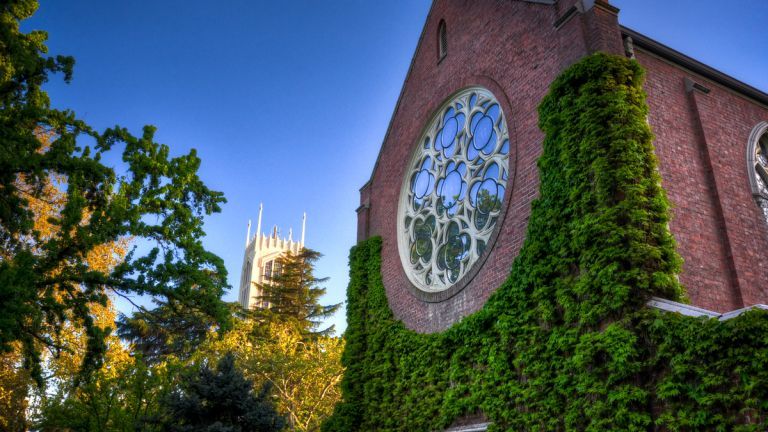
(260, 259)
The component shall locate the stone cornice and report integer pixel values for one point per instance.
(695, 66)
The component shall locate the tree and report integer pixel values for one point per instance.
(292, 294)
(219, 401)
(114, 397)
(160, 201)
(123, 396)
(305, 374)
(61, 361)
(165, 330)
(14, 391)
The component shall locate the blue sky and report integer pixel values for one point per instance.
(287, 102)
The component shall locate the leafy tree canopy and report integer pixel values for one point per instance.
(158, 202)
(168, 329)
(304, 374)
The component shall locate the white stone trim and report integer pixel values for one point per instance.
(478, 427)
(688, 310)
(733, 314)
(681, 308)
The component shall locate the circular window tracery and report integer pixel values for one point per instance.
(452, 197)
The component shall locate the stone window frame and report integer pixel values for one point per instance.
(444, 293)
(759, 193)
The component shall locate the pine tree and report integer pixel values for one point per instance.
(219, 401)
(292, 294)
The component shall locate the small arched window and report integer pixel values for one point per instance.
(442, 41)
(757, 165)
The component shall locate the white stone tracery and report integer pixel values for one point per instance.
(451, 198)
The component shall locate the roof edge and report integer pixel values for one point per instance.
(710, 73)
(638, 39)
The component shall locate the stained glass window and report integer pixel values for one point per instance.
(452, 197)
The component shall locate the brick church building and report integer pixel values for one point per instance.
(564, 230)
(711, 138)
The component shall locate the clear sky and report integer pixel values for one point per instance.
(287, 102)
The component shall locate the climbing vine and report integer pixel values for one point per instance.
(566, 343)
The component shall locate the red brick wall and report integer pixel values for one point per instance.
(514, 49)
(701, 143)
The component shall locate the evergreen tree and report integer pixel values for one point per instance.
(168, 329)
(220, 401)
(292, 294)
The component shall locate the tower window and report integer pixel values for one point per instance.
(442, 41)
(268, 271)
(245, 283)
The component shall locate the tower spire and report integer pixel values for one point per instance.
(258, 225)
(248, 233)
(303, 227)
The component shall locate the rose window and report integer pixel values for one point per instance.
(452, 196)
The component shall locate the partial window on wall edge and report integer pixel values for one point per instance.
(757, 165)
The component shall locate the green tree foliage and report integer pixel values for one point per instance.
(566, 343)
(292, 293)
(115, 397)
(46, 281)
(168, 329)
(220, 400)
(122, 397)
(15, 385)
(126, 394)
(304, 373)
(60, 365)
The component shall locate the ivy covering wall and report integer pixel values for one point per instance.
(566, 342)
